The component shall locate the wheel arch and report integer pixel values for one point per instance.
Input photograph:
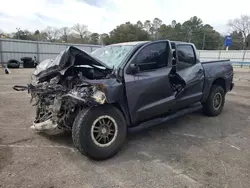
(123, 111)
(220, 82)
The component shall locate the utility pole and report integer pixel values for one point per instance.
(18, 33)
(189, 37)
(203, 42)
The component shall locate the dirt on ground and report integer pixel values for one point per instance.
(191, 151)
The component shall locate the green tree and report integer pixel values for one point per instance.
(37, 34)
(211, 39)
(94, 38)
(165, 32)
(237, 41)
(64, 31)
(178, 33)
(81, 30)
(173, 23)
(139, 24)
(241, 25)
(247, 43)
(155, 26)
(104, 38)
(51, 34)
(147, 25)
(24, 35)
(192, 28)
(172, 32)
(128, 32)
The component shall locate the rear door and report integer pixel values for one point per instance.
(148, 91)
(191, 71)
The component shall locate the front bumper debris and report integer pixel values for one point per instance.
(46, 125)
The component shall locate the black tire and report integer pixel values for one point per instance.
(83, 138)
(209, 107)
(14, 64)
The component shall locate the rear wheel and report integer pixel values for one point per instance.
(99, 132)
(215, 102)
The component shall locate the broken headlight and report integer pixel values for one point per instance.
(99, 97)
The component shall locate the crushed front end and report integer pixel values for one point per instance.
(61, 88)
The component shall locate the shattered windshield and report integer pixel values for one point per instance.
(112, 55)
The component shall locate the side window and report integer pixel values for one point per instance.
(185, 55)
(152, 56)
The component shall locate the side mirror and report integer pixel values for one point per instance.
(134, 68)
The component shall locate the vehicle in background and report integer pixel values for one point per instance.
(98, 96)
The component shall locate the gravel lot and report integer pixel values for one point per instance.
(192, 151)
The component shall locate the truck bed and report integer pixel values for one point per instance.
(215, 61)
(221, 70)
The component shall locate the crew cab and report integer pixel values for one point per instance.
(99, 95)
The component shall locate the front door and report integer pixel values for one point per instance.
(148, 91)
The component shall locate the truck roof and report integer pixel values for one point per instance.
(179, 42)
(130, 43)
(134, 43)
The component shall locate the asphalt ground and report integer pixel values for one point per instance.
(191, 151)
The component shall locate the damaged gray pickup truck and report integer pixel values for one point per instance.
(99, 95)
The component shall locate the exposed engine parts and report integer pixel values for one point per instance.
(58, 102)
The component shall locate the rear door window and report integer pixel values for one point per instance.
(185, 56)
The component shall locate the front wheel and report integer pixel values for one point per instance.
(99, 132)
(215, 102)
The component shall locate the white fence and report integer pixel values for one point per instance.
(233, 55)
(239, 58)
(16, 49)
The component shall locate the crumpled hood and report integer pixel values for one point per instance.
(65, 60)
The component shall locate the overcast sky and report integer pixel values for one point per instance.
(104, 15)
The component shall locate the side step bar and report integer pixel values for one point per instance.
(159, 121)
